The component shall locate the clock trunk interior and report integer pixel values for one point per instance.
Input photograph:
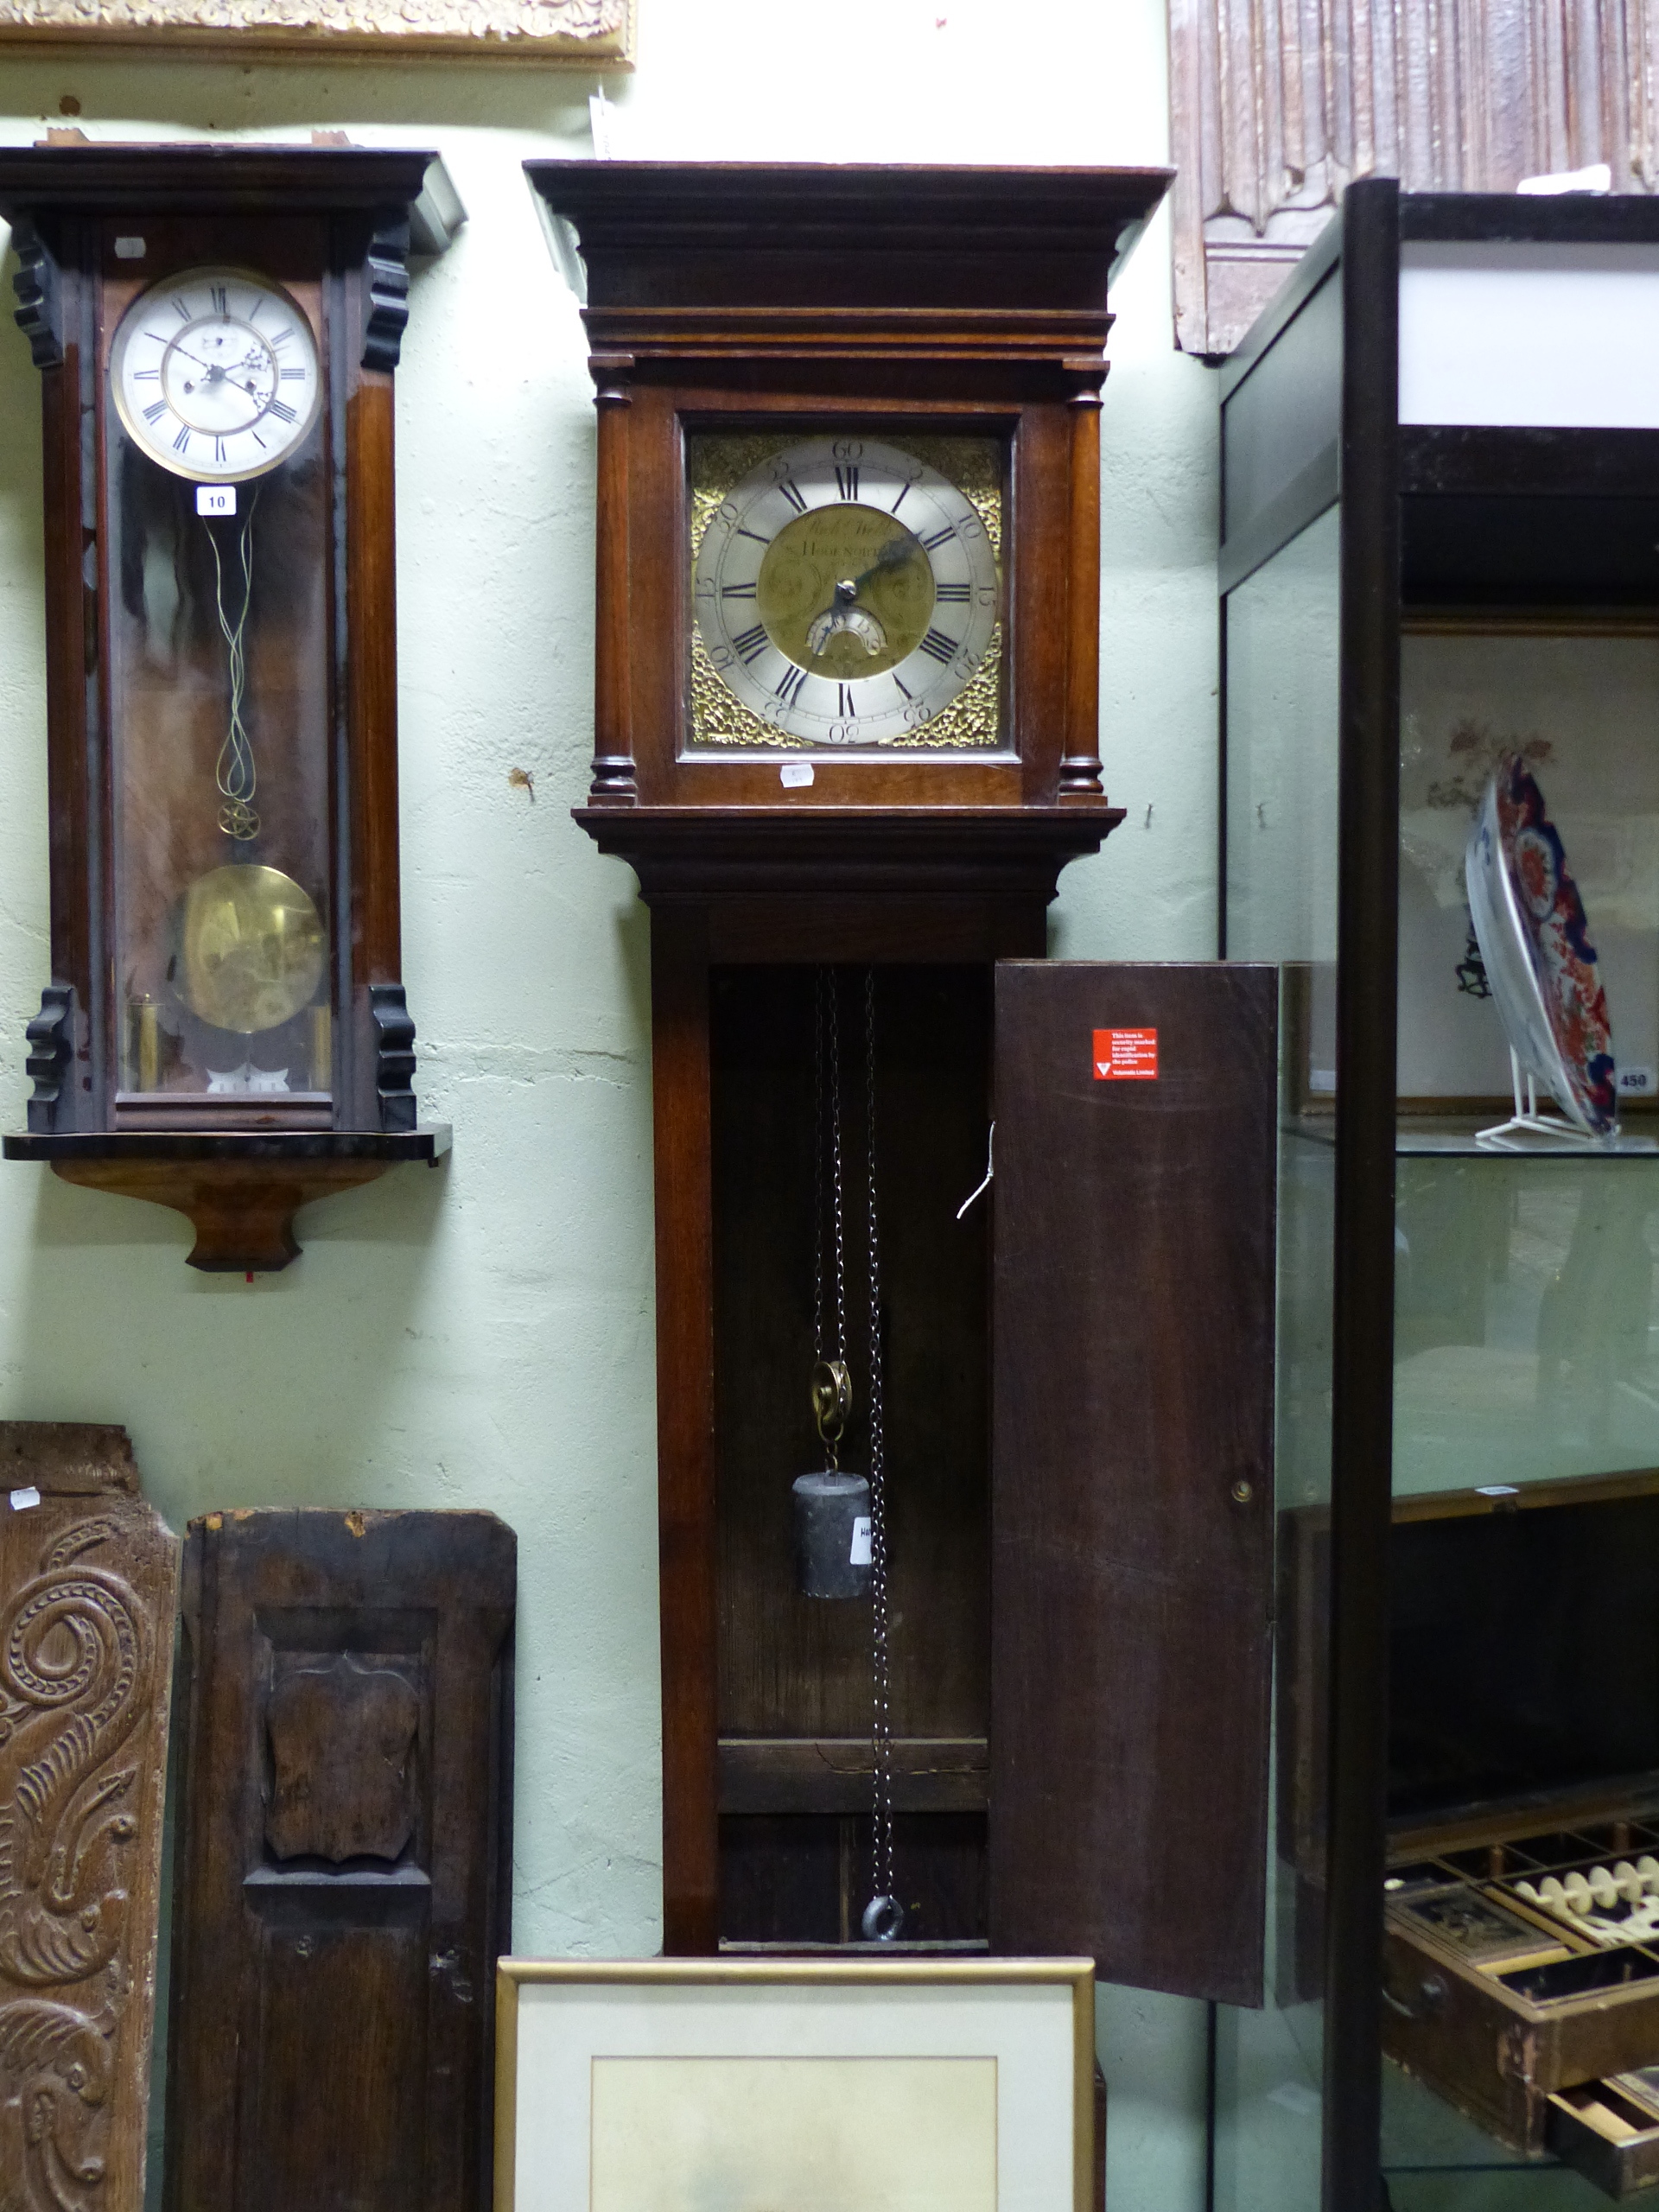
(795, 1672)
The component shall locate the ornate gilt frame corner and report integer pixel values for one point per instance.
(560, 34)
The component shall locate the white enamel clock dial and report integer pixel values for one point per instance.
(215, 374)
(845, 591)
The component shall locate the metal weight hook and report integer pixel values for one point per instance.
(832, 1401)
(883, 1919)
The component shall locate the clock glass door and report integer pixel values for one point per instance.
(848, 593)
(219, 699)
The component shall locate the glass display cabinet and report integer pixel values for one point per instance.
(1440, 770)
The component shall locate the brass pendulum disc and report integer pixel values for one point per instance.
(248, 948)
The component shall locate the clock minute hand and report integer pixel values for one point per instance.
(846, 592)
(215, 371)
(895, 550)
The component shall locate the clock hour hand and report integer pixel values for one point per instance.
(213, 369)
(844, 612)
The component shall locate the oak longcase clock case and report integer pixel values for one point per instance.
(224, 1028)
(847, 735)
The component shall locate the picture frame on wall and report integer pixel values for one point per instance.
(666, 2085)
(574, 32)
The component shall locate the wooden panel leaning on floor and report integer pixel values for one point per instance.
(342, 1889)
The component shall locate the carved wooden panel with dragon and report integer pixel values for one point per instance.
(88, 1584)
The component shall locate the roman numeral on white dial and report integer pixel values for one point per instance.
(846, 592)
(215, 374)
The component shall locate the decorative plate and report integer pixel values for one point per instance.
(1534, 942)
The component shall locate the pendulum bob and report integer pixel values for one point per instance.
(249, 948)
(832, 1535)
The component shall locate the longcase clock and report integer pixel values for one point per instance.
(916, 1665)
(225, 1029)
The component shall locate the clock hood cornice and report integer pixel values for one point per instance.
(715, 261)
(216, 176)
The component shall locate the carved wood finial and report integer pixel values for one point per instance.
(388, 301)
(39, 312)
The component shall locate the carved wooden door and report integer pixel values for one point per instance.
(1132, 1468)
(343, 1881)
(88, 1584)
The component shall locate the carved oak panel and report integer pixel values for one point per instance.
(575, 32)
(88, 1584)
(343, 1879)
(1277, 105)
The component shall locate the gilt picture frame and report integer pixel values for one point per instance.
(669, 2085)
(573, 33)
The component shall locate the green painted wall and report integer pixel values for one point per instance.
(481, 1334)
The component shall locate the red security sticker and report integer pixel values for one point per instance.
(1126, 1056)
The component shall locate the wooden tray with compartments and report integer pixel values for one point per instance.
(1519, 1968)
(1521, 1938)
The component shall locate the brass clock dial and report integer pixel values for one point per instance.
(215, 374)
(845, 591)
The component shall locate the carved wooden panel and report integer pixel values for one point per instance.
(580, 33)
(88, 1586)
(1277, 105)
(343, 1881)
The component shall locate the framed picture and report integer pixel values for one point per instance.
(887, 2085)
(578, 33)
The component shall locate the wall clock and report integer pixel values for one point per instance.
(847, 734)
(225, 1030)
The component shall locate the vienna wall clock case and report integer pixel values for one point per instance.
(225, 1030)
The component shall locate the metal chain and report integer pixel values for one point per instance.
(235, 771)
(832, 1385)
(883, 1916)
(819, 1345)
(833, 998)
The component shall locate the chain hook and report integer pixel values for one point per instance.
(883, 1919)
(832, 1401)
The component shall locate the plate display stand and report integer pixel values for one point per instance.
(1528, 1122)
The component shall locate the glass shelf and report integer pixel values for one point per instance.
(1455, 1137)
